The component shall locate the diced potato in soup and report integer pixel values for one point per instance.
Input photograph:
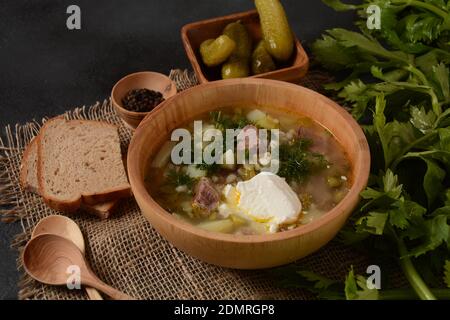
(312, 176)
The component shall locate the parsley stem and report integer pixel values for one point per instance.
(426, 137)
(419, 74)
(417, 142)
(434, 100)
(413, 277)
(408, 294)
(422, 4)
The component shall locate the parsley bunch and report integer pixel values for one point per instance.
(412, 68)
(397, 83)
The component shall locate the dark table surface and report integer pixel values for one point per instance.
(47, 69)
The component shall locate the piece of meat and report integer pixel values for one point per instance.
(320, 139)
(248, 138)
(206, 198)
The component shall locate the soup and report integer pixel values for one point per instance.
(279, 171)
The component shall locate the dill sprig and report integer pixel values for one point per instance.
(179, 178)
(297, 163)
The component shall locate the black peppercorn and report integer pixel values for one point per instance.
(142, 100)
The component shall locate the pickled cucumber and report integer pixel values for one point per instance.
(277, 34)
(216, 51)
(236, 69)
(262, 61)
(237, 32)
(237, 65)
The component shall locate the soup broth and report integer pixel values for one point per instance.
(313, 176)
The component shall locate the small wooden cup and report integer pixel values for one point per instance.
(194, 34)
(253, 251)
(140, 80)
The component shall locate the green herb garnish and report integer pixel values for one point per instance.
(224, 121)
(353, 287)
(179, 178)
(297, 163)
(210, 169)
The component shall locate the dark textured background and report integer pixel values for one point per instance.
(47, 69)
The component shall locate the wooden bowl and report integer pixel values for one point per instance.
(149, 80)
(240, 251)
(194, 34)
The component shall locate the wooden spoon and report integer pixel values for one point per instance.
(47, 257)
(66, 228)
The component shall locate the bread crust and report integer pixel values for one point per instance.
(74, 204)
(24, 166)
(102, 212)
(112, 194)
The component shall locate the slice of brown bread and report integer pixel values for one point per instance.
(80, 161)
(28, 168)
(29, 181)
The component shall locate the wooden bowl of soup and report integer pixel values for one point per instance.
(249, 214)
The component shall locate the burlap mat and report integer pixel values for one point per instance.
(127, 253)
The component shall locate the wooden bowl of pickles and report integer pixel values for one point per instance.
(257, 44)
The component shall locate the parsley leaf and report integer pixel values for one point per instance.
(423, 120)
(373, 222)
(340, 6)
(319, 282)
(433, 179)
(293, 277)
(441, 76)
(435, 232)
(405, 211)
(356, 288)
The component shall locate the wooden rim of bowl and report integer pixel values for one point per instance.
(135, 114)
(361, 170)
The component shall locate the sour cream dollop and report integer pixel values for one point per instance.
(266, 198)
